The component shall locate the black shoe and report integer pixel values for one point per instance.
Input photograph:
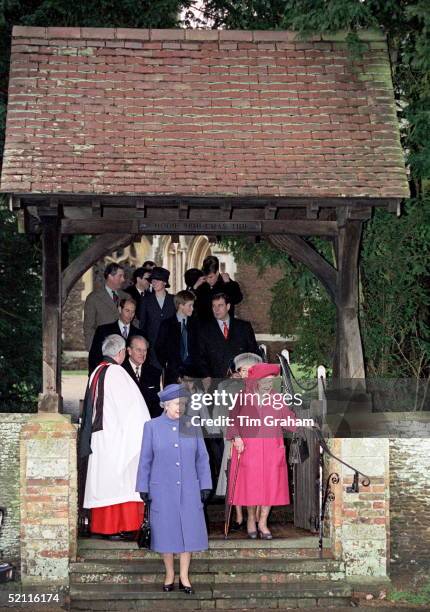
(168, 587)
(128, 536)
(188, 590)
(235, 526)
(113, 537)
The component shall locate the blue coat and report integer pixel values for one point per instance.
(173, 469)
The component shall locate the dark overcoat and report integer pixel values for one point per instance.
(95, 354)
(150, 318)
(168, 349)
(216, 352)
(149, 385)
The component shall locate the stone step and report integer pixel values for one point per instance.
(282, 548)
(209, 571)
(220, 596)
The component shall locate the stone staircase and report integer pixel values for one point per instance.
(233, 574)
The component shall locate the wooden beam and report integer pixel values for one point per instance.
(50, 399)
(103, 245)
(270, 212)
(312, 210)
(300, 227)
(349, 360)
(204, 201)
(183, 211)
(301, 251)
(97, 210)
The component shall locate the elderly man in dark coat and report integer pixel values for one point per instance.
(145, 375)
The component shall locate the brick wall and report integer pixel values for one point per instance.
(200, 112)
(257, 295)
(410, 502)
(48, 487)
(10, 429)
(360, 522)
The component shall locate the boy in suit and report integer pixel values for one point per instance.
(177, 343)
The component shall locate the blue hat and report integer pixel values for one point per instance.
(173, 392)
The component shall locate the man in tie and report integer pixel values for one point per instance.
(177, 345)
(223, 338)
(123, 327)
(145, 375)
(101, 305)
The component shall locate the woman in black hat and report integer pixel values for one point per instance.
(156, 307)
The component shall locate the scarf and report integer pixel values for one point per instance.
(93, 407)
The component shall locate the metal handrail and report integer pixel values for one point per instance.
(325, 494)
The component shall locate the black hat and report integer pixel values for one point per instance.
(191, 276)
(159, 273)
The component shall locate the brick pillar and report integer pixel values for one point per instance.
(48, 498)
(359, 522)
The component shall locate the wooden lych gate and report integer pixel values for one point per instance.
(122, 133)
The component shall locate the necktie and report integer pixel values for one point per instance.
(184, 341)
(124, 332)
(225, 330)
(137, 374)
(115, 297)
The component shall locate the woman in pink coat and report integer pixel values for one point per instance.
(259, 417)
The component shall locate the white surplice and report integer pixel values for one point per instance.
(113, 464)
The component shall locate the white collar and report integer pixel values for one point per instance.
(135, 365)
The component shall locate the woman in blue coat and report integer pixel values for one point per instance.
(174, 475)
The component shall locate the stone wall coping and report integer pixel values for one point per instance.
(192, 35)
(15, 417)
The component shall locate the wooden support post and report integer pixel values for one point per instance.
(349, 361)
(50, 399)
(342, 287)
(300, 250)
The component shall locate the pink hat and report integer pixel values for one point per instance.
(261, 370)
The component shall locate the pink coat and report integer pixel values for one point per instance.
(262, 473)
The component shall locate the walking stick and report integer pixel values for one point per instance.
(231, 493)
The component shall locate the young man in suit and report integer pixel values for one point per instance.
(177, 345)
(212, 283)
(123, 327)
(156, 307)
(101, 305)
(145, 375)
(141, 284)
(224, 338)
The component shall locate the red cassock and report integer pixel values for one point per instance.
(262, 474)
(118, 517)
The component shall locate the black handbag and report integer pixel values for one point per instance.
(144, 534)
(299, 450)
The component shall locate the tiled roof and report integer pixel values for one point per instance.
(200, 112)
